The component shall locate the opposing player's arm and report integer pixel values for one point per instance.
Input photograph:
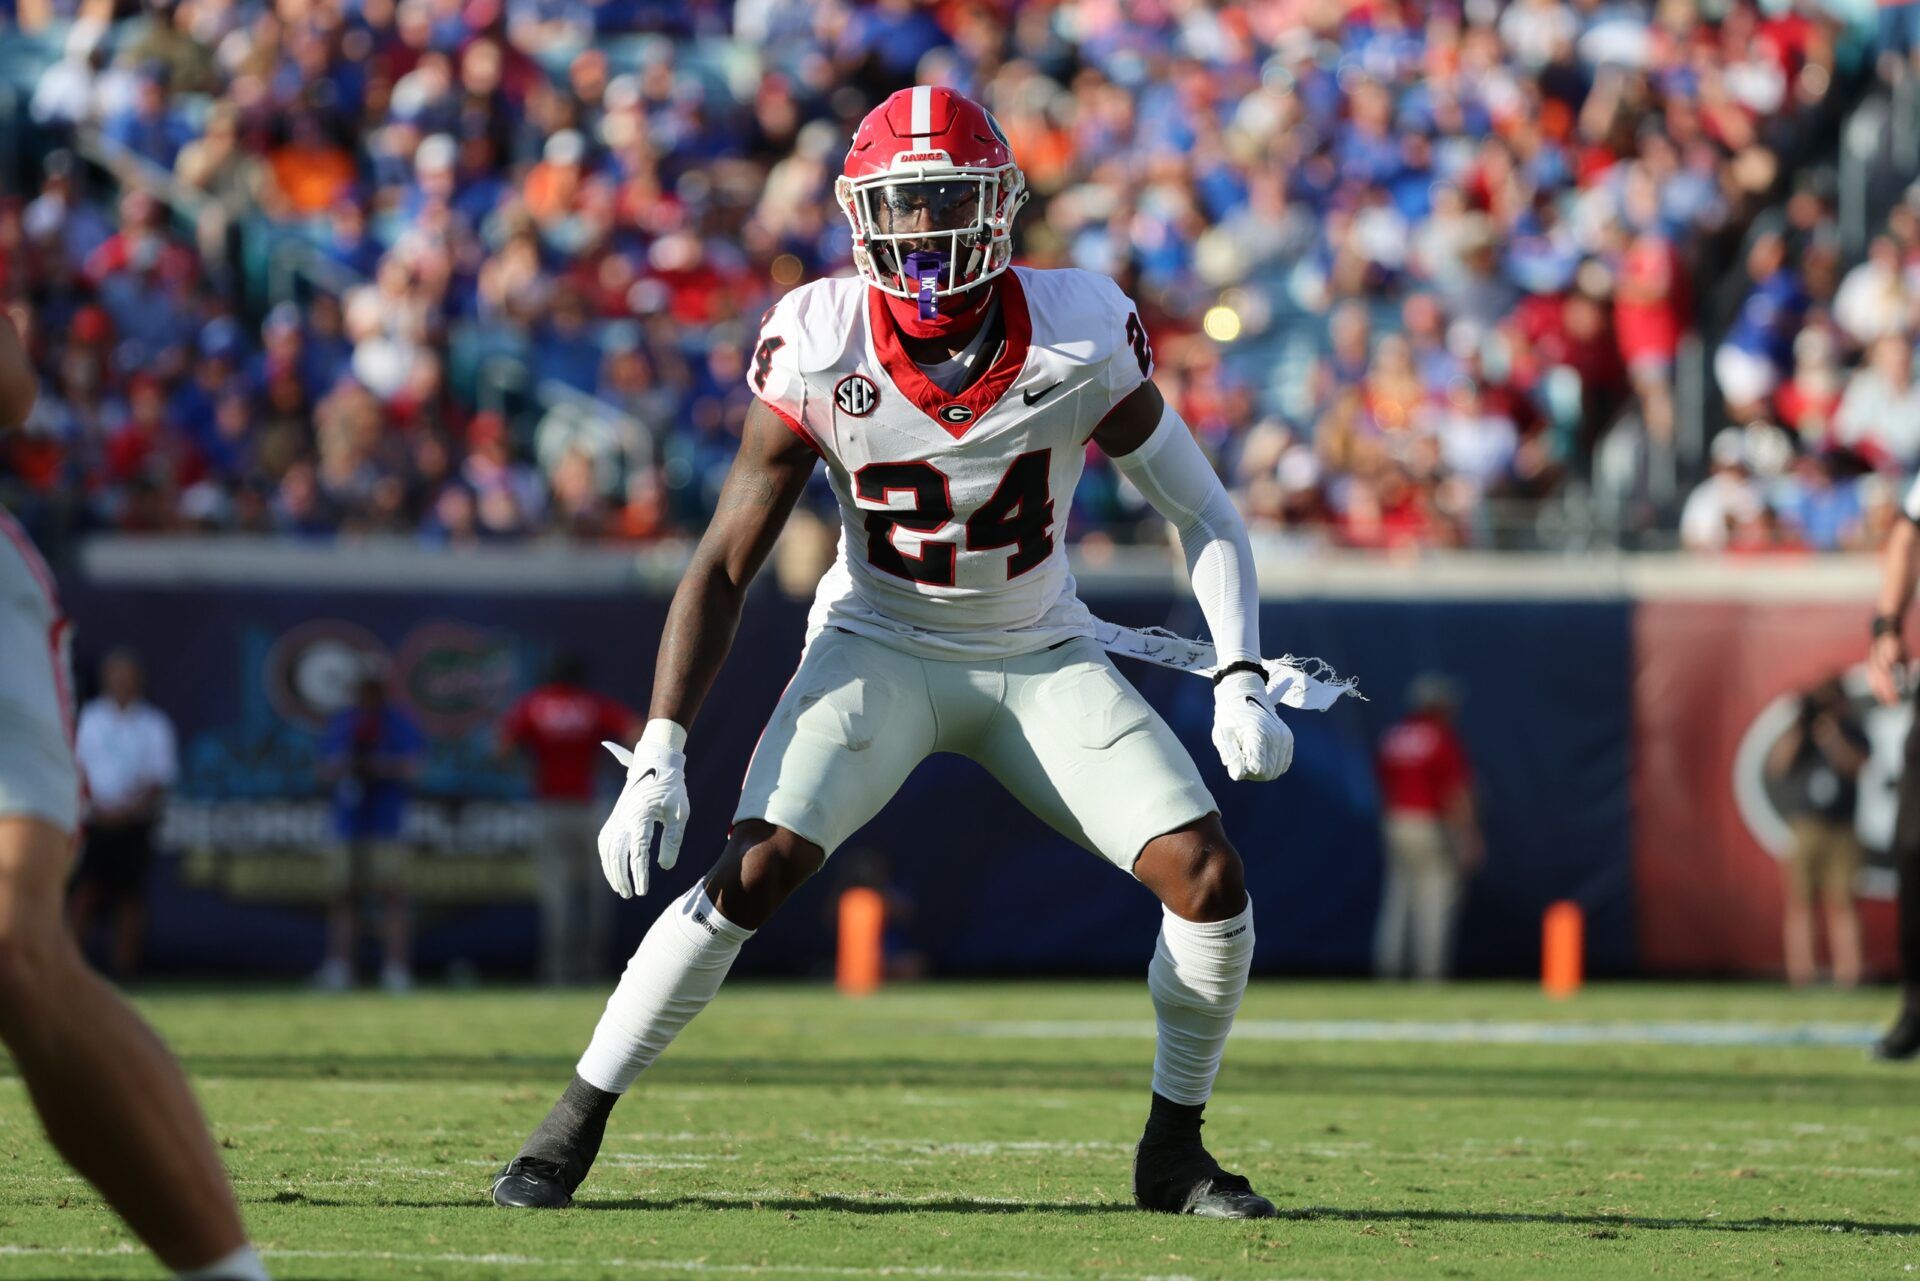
(19, 388)
(1887, 659)
(766, 480)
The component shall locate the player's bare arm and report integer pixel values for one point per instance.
(1129, 423)
(765, 481)
(1887, 660)
(18, 386)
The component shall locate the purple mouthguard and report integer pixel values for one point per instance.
(926, 266)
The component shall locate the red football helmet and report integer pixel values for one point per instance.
(930, 189)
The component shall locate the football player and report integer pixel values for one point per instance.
(951, 397)
(113, 1100)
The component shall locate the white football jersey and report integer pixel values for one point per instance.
(953, 507)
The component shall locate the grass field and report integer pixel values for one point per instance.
(985, 1132)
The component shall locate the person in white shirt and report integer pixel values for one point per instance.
(1872, 300)
(1879, 413)
(126, 754)
(1726, 499)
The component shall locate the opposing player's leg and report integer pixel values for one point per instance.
(851, 726)
(1087, 754)
(112, 1098)
(1902, 1040)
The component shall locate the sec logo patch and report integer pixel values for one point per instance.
(955, 413)
(856, 395)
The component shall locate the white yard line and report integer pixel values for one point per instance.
(1459, 1031)
(700, 1267)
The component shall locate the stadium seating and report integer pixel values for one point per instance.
(1416, 278)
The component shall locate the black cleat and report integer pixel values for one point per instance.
(528, 1183)
(1184, 1178)
(554, 1161)
(1902, 1040)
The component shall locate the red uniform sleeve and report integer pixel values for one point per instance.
(615, 719)
(1452, 775)
(513, 727)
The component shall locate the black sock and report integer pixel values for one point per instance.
(570, 1136)
(1169, 1120)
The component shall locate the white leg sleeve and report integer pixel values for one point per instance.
(242, 1265)
(676, 970)
(1197, 977)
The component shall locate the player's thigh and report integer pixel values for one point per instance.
(1083, 750)
(38, 778)
(852, 724)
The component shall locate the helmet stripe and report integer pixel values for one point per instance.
(922, 117)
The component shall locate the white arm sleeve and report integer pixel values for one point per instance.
(1179, 481)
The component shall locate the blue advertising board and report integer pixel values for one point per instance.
(248, 674)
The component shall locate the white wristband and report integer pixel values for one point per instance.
(661, 732)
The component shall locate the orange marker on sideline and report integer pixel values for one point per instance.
(1562, 949)
(862, 918)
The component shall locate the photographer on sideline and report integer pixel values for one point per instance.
(1816, 764)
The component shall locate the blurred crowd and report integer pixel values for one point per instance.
(1817, 374)
(1482, 218)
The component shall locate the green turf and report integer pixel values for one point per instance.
(792, 1133)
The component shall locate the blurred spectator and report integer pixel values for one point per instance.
(559, 725)
(1872, 301)
(1879, 414)
(125, 748)
(152, 127)
(67, 93)
(1821, 501)
(1815, 770)
(1432, 834)
(1725, 501)
(369, 757)
(1758, 350)
(1810, 398)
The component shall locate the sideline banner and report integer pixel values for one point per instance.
(250, 673)
(1716, 684)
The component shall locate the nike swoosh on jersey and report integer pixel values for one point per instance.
(1035, 397)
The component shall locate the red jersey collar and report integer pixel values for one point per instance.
(955, 414)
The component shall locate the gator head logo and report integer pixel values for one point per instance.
(454, 677)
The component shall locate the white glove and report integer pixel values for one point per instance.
(1254, 743)
(654, 802)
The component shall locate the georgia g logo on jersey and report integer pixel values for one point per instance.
(956, 413)
(856, 395)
